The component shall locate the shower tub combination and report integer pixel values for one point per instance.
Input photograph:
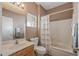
(56, 51)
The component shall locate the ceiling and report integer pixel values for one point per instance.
(50, 5)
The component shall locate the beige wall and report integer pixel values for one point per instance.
(18, 20)
(31, 32)
(61, 16)
(32, 8)
(42, 11)
(60, 8)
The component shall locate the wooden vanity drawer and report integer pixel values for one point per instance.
(29, 51)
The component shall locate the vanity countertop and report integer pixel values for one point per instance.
(8, 49)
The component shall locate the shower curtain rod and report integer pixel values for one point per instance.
(60, 11)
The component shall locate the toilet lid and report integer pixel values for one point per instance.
(40, 48)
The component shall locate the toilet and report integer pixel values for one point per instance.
(40, 50)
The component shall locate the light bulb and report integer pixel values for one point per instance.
(18, 3)
(22, 5)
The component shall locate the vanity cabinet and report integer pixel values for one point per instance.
(28, 51)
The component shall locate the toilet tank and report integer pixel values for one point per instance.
(35, 41)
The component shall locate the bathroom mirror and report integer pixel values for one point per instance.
(19, 33)
(7, 28)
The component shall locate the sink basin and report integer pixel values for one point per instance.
(8, 44)
(9, 47)
(21, 41)
(12, 44)
(17, 47)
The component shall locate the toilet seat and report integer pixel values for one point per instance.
(40, 50)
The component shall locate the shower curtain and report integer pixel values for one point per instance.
(61, 37)
(56, 34)
(45, 33)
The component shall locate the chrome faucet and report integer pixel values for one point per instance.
(1, 54)
(16, 41)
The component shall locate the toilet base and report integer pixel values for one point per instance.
(39, 54)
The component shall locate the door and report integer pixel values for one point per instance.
(75, 28)
(7, 28)
(0, 25)
(0, 33)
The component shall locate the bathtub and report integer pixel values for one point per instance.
(56, 51)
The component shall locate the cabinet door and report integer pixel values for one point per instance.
(7, 28)
(29, 51)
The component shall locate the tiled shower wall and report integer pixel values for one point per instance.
(61, 34)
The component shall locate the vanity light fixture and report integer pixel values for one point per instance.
(22, 5)
(19, 4)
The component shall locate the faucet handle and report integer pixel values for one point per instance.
(16, 41)
(1, 54)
